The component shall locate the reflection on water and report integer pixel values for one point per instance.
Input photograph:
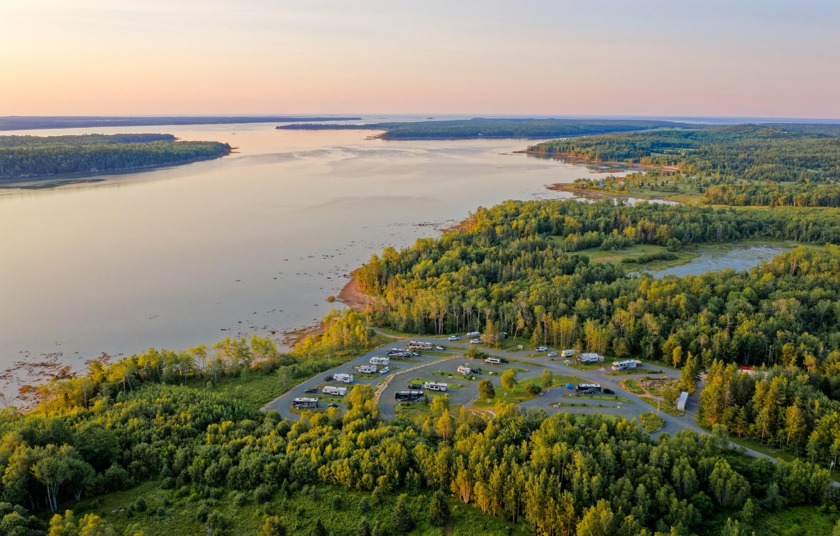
(710, 259)
(249, 243)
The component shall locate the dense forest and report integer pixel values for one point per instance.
(767, 165)
(494, 128)
(64, 121)
(516, 265)
(27, 157)
(557, 475)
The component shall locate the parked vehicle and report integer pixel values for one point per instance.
(420, 345)
(332, 405)
(305, 403)
(344, 378)
(475, 341)
(588, 388)
(380, 360)
(439, 348)
(409, 396)
(311, 390)
(493, 361)
(453, 338)
(628, 364)
(473, 334)
(328, 378)
(540, 349)
(434, 386)
(465, 370)
(385, 370)
(552, 354)
(414, 386)
(366, 369)
(334, 390)
(570, 386)
(607, 391)
(591, 358)
(569, 353)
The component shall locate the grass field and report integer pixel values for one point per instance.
(519, 393)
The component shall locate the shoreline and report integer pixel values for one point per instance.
(607, 163)
(353, 297)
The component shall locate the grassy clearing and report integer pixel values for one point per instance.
(340, 510)
(774, 452)
(652, 391)
(651, 422)
(633, 372)
(519, 392)
(615, 398)
(635, 252)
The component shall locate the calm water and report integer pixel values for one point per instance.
(251, 242)
(737, 258)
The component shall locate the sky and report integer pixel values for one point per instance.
(744, 58)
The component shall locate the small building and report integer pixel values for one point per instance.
(682, 401)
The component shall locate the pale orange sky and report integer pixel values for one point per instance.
(608, 57)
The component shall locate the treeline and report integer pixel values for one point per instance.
(782, 407)
(32, 156)
(63, 121)
(514, 265)
(559, 475)
(494, 128)
(744, 165)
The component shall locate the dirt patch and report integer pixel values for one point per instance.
(353, 297)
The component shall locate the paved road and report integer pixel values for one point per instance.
(442, 367)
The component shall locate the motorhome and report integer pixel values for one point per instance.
(493, 361)
(465, 370)
(434, 386)
(589, 388)
(380, 360)
(343, 378)
(628, 364)
(568, 353)
(334, 391)
(591, 358)
(473, 334)
(420, 345)
(409, 396)
(366, 369)
(305, 403)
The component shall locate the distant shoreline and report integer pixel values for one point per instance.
(61, 122)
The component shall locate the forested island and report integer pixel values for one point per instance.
(61, 121)
(743, 165)
(494, 128)
(37, 157)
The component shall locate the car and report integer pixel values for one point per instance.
(415, 354)
(415, 386)
(541, 349)
(608, 391)
(384, 370)
(328, 378)
(439, 347)
(332, 405)
(311, 390)
(475, 341)
(476, 371)
(453, 338)
(552, 354)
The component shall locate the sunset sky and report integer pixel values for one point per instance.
(761, 58)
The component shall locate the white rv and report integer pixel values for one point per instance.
(420, 345)
(473, 335)
(366, 369)
(334, 391)
(589, 388)
(628, 364)
(343, 378)
(493, 361)
(380, 360)
(465, 370)
(591, 358)
(434, 386)
(305, 403)
(568, 353)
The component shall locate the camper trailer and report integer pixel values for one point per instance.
(305, 403)
(588, 388)
(380, 360)
(628, 364)
(420, 345)
(434, 386)
(343, 378)
(493, 361)
(465, 370)
(568, 353)
(473, 335)
(334, 391)
(366, 369)
(591, 358)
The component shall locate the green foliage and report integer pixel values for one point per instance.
(272, 526)
(32, 156)
(509, 378)
(486, 390)
(651, 422)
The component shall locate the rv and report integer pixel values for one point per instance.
(334, 391)
(305, 403)
(433, 386)
(366, 369)
(589, 388)
(628, 364)
(409, 396)
(465, 370)
(400, 354)
(591, 358)
(493, 361)
(568, 353)
(380, 360)
(343, 378)
(473, 334)
(420, 345)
